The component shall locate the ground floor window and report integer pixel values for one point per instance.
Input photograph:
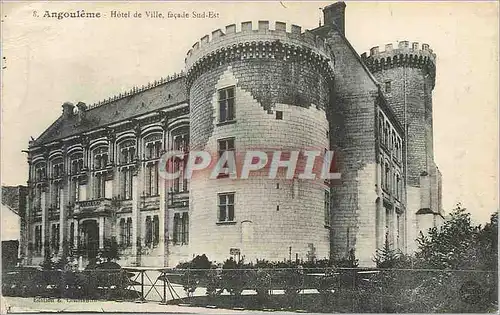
(38, 238)
(181, 228)
(55, 237)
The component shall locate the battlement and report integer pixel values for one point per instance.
(138, 89)
(402, 54)
(263, 39)
(402, 47)
(248, 32)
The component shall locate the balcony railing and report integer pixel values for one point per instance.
(150, 202)
(53, 212)
(102, 205)
(178, 199)
(37, 213)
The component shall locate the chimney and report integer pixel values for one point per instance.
(335, 14)
(82, 107)
(68, 109)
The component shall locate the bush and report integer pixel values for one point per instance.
(197, 272)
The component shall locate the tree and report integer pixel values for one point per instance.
(386, 257)
(452, 246)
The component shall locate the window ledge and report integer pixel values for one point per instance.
(228, 122)
(327, 226)
(226, 223)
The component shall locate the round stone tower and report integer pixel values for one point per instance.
(407, 75)
(261, 88)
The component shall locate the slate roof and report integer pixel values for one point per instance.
(11, 196)
(163, 95)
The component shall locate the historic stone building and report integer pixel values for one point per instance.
(94, 172)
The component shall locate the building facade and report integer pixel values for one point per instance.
(13, 226)
(94, 173)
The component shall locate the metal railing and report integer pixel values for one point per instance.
(311, 290)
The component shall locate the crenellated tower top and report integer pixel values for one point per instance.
(402, 55)
(264, 40)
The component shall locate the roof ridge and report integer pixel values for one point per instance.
(138, 89)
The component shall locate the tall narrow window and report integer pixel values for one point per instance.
(386, 134)
(99, 185)
(149, 231)
(398, 239)
(226, 104)
(126, 183)
(38, 199)
(177, 229)
(129, 232)
(38, 238)
(185, 228)
(153, 148)
(71, 234)
(226, 207)
(398, 187)
(181, 143)
(381, 128)
(100, 161)
(123, 235)
(156, 230)
(387, 177)
(56, 194)
(327, 207)
(73, 190)
(55, 237)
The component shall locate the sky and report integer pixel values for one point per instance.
(50, 61)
